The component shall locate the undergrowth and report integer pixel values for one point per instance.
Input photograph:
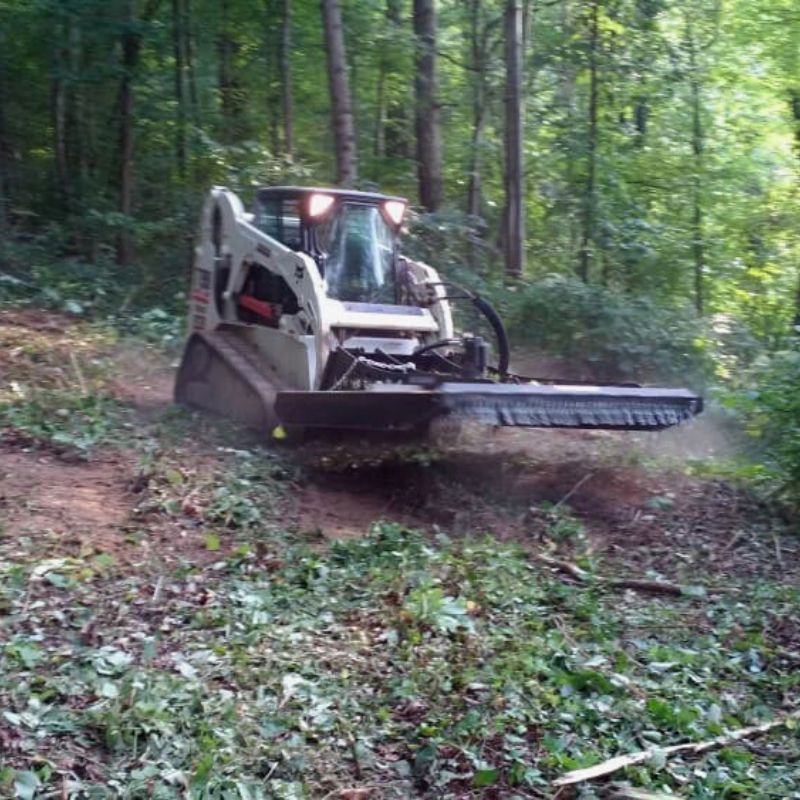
(218, 652)
(769, 403)
(408, 666)
(64, 419)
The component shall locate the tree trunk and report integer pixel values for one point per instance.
(59, 116)
(379, 148)
(178, 41)
(188, 49)
(514, 213)
(478, 44)
(567, 76)
(339, 86)
(428, 129)
(646, 14)
(589, 198)
(385, 44)
(5, 157)
(698, 235)
(232, 95)
(397, 134)
(225, 48)
(131, 47)
(272, 67)
(58, 113)
(796, 325)
(794, 107)
(78, 137)
(287, 100)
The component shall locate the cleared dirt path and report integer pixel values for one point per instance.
(624, 498)
(72, 508)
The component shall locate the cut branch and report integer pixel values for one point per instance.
(637, 584)
(690, 748)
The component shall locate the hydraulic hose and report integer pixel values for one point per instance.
(493, 318)
(435, 346)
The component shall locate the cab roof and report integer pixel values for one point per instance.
(347, 194)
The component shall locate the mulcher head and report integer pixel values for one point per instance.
(406, 408)
(610, 407)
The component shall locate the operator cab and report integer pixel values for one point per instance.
(352, 236)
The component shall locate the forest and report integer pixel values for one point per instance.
(189, 610)
(621, 176)
(644, 145)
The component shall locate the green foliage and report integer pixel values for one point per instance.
(429, 606)
(446, 666)
(38, 271)
(65, 419)
(656, 164)
(156, 325)
(771, 406)
(624, 336)
(234, 505)
(453, 242)
(61, 126)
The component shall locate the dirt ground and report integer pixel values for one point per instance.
(637, 510)
(74, 508)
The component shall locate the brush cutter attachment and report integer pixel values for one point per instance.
(408, 408)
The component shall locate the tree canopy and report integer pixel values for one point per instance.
(659, 152)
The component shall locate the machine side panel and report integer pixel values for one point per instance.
(292, 358)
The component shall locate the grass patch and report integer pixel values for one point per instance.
(66, 420)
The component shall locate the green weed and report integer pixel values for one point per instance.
(65, 418)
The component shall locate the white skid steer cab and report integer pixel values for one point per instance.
(305, 316)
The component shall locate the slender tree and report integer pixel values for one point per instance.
(428, 127)
(178, 54)
(698, 147)
(590, 192)
(384, 65)
(5, 154)
(794, 108)
(379, 143)
(514, 213)
(189, 51)
(287, 98)
(131, 46)
(397, 134)
(230, 92)
(480, 30)
(58, 110)
(645, 16)
(339, 86)
(78, 114)
(272, 67)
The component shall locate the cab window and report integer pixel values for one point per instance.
(280, 218)
(359, 252)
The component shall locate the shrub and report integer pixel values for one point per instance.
(772, 410)
(620, 336)
(625, 336)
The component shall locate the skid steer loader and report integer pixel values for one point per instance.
(304, 315)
